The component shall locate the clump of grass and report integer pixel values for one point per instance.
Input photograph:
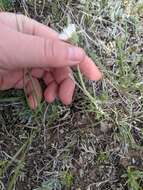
(101, 157)
(66, 179)
(18, 158)
(50, 185)
(3, 164)
(134, 179)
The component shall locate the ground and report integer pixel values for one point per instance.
(97, 142)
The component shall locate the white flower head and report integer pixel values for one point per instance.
(68, 32)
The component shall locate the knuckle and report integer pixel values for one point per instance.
(55, 52)
(49, 48)
(52, 46)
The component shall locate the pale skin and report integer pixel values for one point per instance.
(30, 51)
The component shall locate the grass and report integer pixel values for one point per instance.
(5, 4)
(97, 142)
(134, 178)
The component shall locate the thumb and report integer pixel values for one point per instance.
(26, 51)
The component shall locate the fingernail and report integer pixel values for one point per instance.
(75, 55)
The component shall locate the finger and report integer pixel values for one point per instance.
(20, 84)
(60, 74)
(33, 92)
(87, 66)
(26, 25)
(33, 87)
(65, 79)
(51, 92)
(48, 78)
(39, 52)
(3, 72)
(32, 27)
(9, 80)
(32, 102)
(89, 69)
(37, 73)
(66, 91)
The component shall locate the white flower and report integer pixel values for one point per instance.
(68, 32)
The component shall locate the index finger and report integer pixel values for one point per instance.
(89, 69)
(27, 25)
(32, 27)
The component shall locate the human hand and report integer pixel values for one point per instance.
(30, 51)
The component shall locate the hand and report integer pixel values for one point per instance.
(30, 51)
